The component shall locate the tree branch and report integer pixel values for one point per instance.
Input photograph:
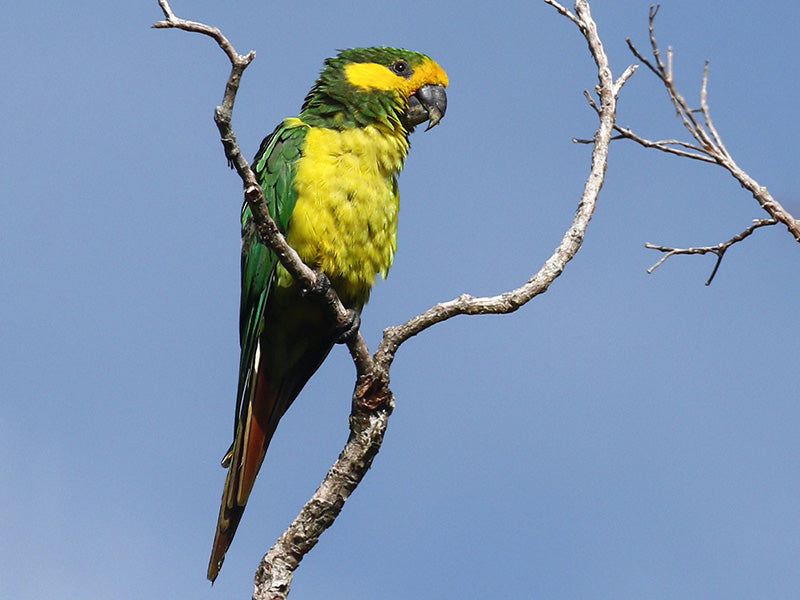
(709, 146)
(572, 239)
(719, 249)
(372, 399)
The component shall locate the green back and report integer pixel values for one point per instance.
(274, 166)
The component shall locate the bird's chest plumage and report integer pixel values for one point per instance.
(345, 218)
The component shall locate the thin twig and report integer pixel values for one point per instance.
(719, 249)
(565, 12)
(663, 145)
(668, 146)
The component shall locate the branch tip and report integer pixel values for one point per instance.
(719, 250)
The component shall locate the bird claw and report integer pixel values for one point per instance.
(348, 330)
(320, 287)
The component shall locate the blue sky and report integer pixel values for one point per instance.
(624, 436)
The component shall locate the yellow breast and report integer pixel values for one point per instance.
(345, 218)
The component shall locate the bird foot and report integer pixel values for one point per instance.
(348, 330)
(322, 284)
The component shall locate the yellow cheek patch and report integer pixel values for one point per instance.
(375, 76)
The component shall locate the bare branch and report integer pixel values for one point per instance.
(709, 146)
(565, 12)
(372, 405)
(666, 145)
(654, 45)
(174, 22)
(626, 74)
(571, 242)
(704, 109)
(663, 145)
(719, 249)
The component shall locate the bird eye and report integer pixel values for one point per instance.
(400, 67)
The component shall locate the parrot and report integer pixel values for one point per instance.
(329, 177)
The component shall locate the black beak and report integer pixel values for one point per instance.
(428, 103)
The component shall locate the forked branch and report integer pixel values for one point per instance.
(706, 144)
(719, 249)
(506, 302)
(372, 399)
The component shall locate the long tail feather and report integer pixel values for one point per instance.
(265, 402)
(245, 457)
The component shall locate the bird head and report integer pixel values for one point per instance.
(369, 86)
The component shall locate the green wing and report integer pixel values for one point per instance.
(274, 166)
